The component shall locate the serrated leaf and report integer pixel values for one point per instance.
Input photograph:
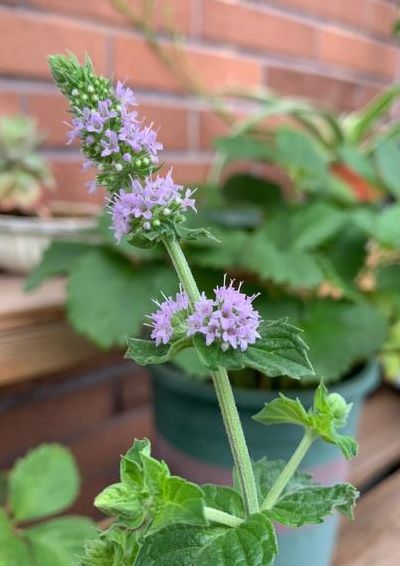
(279, 351)
(311, 505)
(58, 259)
(108, 296)
(224, 498)
(314, 224)
(179, 545)
(59, 542)
(124, 500)
(145, 352)
(284, 266)
(117, 546)
(243, 147)
(180, 501)
(253, 543)
(283, 411)
(44, 482)
(266, 472)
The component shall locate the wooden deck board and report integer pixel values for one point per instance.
(373, 539)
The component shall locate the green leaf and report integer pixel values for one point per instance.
(314, 224)
(224, 499)
(251, 544)
(3, 488)
(283, 411)
(124, 500)
(243, 147)
(180, 501)
(108, 296)
(58, 259)
(357, 161)
(247, 188)
(60, 541)
(189, 362)
(290, 266)
(193, 234)
(177, 545)
(13, 550)
(266, 472)
(117, 546)
(148, 491)
(44, 482)
(311, 505)
(341, 334)
(279, 351)
(387, 227)
(145, 352)
(302, 158)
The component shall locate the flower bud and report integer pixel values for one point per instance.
(338, 407)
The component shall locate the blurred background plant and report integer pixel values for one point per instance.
(41, 485)
(24, 173)
(321, 243)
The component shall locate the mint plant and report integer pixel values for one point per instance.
(160, 518)
(42, 484)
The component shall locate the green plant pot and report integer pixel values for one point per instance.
(190, 436)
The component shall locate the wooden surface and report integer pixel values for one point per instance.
(35, 337)
(373, 539)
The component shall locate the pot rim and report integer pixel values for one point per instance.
(44, 226)
(357, 387)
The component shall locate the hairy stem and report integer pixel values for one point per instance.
(223, 391)
(221, 517)
(288, 471)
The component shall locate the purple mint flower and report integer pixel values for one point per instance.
(75, 131)
(148, 141)
(162, 321)
(110, 144)
(104, 109)
(154, 198)
(125, 95)
(229, 319)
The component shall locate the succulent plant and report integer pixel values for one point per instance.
(24, 173)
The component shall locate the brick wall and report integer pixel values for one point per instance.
(339, 52)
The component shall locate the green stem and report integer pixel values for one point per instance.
(288, 471)
(223, 391)
(221, 517)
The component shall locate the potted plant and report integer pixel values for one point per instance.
(319, 254)
(27, 223)
(159, 518)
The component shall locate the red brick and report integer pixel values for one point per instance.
(331, 91)
(26, 40)
(381, 16)
(71, 179)
(349, 11)
(9, 103)
(50, 110)
(171, 122)
(258, 29)
(189, 172)
(177, 11)
(358, 53)
(211, 127)
(214, 70)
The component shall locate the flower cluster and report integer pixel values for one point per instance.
(230, 319)
(169, 321)
(113, 137)
(150, 205)
(124, 151)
